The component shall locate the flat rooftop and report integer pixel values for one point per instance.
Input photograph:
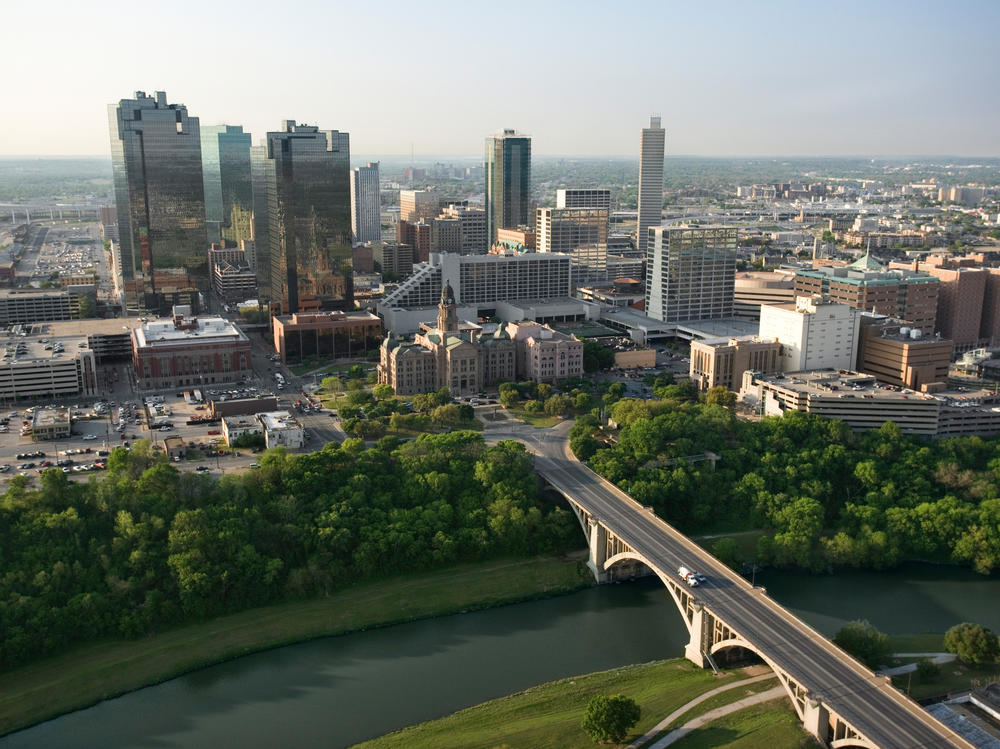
(164, 332)
(278, 420)
(51, 416)
(109, 326)
(847, 384)
(240, 421)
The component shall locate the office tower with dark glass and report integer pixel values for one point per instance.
(508, 182)
(308, 174)
(225, 164)
(651, 144)
(366, 208)
(259, 170)
(160, 201)
(690, 272)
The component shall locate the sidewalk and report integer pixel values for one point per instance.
(938, 658)
(711, 715)
(662, 725)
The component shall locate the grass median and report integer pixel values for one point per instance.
(91, 673)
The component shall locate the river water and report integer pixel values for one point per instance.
(341, 690)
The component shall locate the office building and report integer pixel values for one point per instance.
(544, 354)
(419, 205)
(459, 229)
(722, 361)
(522, 235)
(813, 333)
(898, 354)
(173, 352)
(333, 335)
(225, 166)
(261, 262)
(417, 235)
(867, 285)
(754, 288)
(512, 286)
(366, 206)
(862, 403)
(160, 200)
(690, 273)
(37, 305)
(582, 233)
(508, 182)
(52, 423)
(394, 258)
(651, 147)
(579, 197)
(309, 221)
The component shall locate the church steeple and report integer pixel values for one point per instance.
(447, 310)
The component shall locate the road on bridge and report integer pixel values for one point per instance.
(873, 707)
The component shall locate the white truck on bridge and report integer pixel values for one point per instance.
(691, 578)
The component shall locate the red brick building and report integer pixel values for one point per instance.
(176, 352)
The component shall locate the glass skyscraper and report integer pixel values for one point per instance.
(225, 160)
(259, 170)
(160, 202)
(307, 173)
(508, 182)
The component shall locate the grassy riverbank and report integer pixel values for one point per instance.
(549, 715)
(91, 673)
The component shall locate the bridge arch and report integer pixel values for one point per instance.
(682, 602)
(855, 743)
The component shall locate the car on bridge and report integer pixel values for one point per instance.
(691, 578)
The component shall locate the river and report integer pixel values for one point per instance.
(337, 691)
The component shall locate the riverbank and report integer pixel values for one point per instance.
(92, 673)
(549, 715)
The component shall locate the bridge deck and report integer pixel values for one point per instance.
(868, 703)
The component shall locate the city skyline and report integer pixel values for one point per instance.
(890, 78)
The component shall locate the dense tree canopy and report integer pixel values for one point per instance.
(610, 718)
(973, 643)
(148, 545)
(827, 496)
(864, 642)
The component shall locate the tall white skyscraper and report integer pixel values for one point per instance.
(650, 180)
(366, 220)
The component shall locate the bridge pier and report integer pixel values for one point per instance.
(598, 550)
(694, 651)
(816, 719)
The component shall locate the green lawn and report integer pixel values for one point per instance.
(537, 420)
(954, 677)
(94, 672)
(929, 642)
(772, 725)
(549, 715)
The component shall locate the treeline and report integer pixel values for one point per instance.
(827, 496)
(149, 546)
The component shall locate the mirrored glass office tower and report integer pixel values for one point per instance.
(160, 202)
(309, 219)
(508, 182)
(225, 160)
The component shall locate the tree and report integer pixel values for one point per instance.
(596, 356)
(973, 643)
(720, 395)
(927, 670)
(383, 391)
(863, 641)
(331, 384)
(610, 718)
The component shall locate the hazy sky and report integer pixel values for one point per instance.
(728, 78)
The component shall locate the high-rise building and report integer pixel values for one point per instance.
(508, 182)
(651, 144)
(261, 262)
(690, 272)
(366, 208)
(225, 165)
(460, 229)
(160, 200)
(581, 233)
(577, 197)
(309, 221)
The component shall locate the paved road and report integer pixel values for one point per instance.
(880, 712)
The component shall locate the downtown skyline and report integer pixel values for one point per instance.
(880, 79)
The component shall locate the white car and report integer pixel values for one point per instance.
(89, 437)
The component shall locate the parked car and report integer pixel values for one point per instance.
(89, 437)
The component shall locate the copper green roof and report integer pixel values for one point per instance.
(867, 262)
